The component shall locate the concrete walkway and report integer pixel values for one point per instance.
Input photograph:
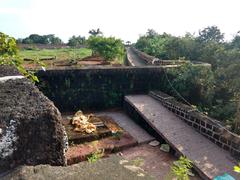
(134, 59)
(129, 125)
(209, 160)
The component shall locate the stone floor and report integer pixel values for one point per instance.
(147, 158)
(152, 160)
(208, 158)
(134, 59)
(138, 161)
(129, 125)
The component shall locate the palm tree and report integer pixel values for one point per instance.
(94, 32)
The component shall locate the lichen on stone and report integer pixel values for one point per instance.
(65, 141)
(65, 145)
(8, 139)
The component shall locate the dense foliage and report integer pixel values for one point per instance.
(196, 82)
(38, 39)
(9, 56)
(219, 88)
(181, 168)
(109, 48)
(76, 41)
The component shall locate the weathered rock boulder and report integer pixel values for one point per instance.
(31, 131)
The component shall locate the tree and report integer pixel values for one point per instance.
(27, 41)
(211, 33)
(94, 32)
(37, 39)
(75, 41)
(230, 79)
(151, 33)
(51, 39)
(45, 39)
(191, 81)
(107, 47)
(236, 41)
(19, 41)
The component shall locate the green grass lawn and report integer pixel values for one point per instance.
(60, 54)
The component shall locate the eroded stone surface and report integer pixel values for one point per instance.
(107, 168)
(31, 129)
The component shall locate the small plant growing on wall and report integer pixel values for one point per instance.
(181, 168)
(95, 156)
(237, 168)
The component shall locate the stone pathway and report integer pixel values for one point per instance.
(129, 125)
(209, 160)
(134, 59)
(152, 160)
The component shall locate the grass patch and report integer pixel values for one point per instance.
(95, 156)
(60, 54)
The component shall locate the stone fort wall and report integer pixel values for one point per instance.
(97, 88)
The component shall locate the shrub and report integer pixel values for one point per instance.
(109, 48)
(9, 56)
(181, 168)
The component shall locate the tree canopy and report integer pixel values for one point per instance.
(76, 41)
(38, 39)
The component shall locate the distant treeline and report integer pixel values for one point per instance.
(51, 39)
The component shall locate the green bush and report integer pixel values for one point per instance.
(181, 168)
(107, 47)
(9, 56)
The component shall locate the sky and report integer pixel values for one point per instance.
(124, 19)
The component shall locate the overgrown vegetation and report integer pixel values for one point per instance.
(181, 168)
(218, 89)
(237, 168)
(9, 55)
(196, 82)
(95, 156)
(76, 41)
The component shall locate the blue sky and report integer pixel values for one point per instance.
(126, 19)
